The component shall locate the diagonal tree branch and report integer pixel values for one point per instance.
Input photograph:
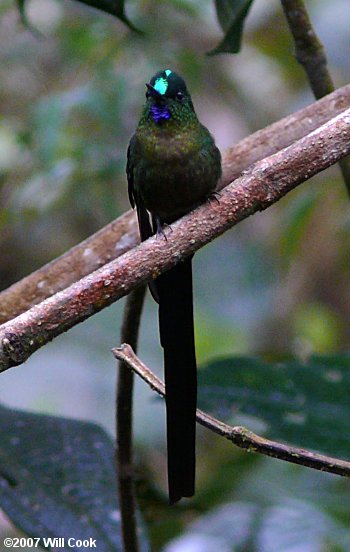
(311, 55)
(122, 234)
(309, 49)
(107, 244)
(264, 184)
(240, 436)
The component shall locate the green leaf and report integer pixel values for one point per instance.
(306, 404)
(231, 15)
(57, 478)
(113, 7)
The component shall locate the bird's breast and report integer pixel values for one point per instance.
(175, 172)
(163, 147)
(173, 152)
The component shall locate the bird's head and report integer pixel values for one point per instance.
(167, 97)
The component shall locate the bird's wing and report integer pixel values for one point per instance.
(134, 197)
(130, 172)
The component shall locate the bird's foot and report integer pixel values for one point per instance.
(161, 228)
(214, 196)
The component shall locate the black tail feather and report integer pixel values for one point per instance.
(177, 338)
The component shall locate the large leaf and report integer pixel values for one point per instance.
(231, 15)
(57, 479)
(113, 7)
(305, 404)
(241, 526)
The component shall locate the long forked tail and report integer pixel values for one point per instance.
(176, 329)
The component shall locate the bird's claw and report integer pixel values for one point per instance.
(214, 196)
(161, 227)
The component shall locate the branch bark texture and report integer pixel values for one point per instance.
(311, 55)
(122, 234)
(240, 436)
(107, 244)
(264, 184)
(309, 49)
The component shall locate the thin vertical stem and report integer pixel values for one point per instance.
(309, 50)
(124, 422)
(310, 53)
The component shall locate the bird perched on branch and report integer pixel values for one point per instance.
(173, 165)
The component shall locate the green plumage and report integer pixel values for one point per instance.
(173, 166)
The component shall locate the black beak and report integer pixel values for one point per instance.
(154, 93)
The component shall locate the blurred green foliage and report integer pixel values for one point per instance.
(277, 284)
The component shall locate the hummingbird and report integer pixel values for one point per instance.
(173, 165)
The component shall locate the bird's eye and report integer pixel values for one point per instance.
(147, 94)
(179, 95)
